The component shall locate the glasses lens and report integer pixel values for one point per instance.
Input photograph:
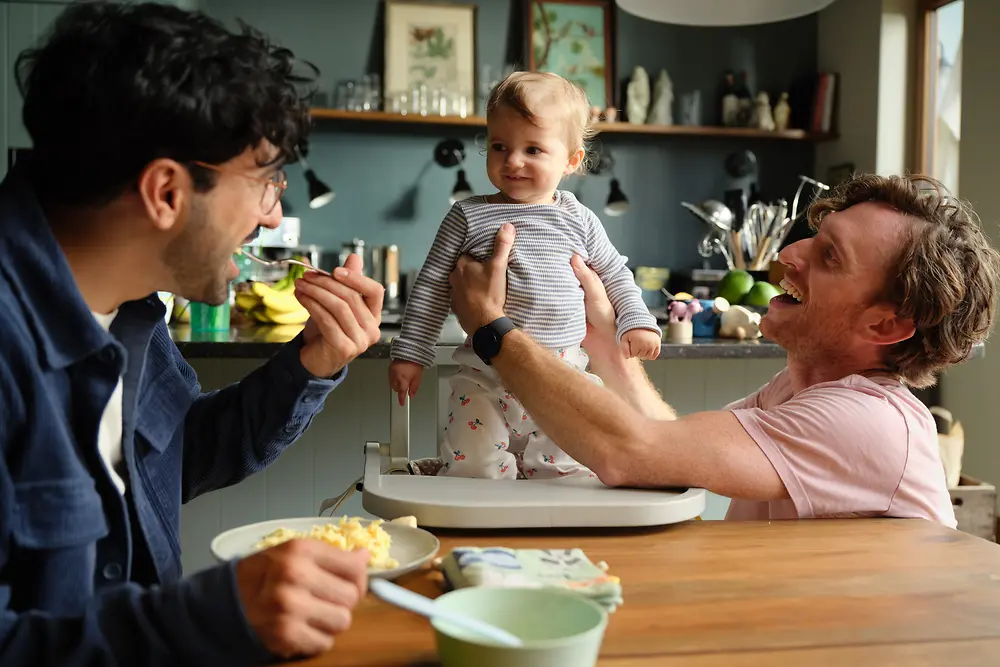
(272, 193)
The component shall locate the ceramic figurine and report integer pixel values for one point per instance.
(739, 322)
(661, 111)
(764, 119)
(781, 113)
(679, 327)
(683, 311)
(595, 114)
(637, 105)
(730, 103)
(610, 114)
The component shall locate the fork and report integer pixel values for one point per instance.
(281, 262)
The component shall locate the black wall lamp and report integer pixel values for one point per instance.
(451, 153)
(320, 193)
(617, 203)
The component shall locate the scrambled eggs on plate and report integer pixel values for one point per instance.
(349, 534)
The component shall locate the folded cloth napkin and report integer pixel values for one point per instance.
(569, 569)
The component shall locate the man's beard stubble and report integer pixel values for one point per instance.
(191, 258)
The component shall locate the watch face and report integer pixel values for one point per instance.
(485, 343)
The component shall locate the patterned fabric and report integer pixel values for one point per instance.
(499, 567)
(487, 425)
(543, 294)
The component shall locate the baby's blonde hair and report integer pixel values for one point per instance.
(528, 92)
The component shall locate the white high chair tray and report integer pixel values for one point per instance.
(448, 502)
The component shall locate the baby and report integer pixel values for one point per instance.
(537, 125)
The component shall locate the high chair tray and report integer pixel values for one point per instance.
(447, 502)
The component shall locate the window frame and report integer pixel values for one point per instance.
(926, 88)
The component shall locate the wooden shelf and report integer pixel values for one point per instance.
(386, 117)
(602, 128)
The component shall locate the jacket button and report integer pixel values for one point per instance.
(108, 355)
(112, 571)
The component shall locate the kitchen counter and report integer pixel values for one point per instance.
(252, 341)
(258, 341)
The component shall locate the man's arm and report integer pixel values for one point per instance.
(623, 447)
(627, 379)
(599, 429)
(234, 432)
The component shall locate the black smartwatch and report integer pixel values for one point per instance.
(486, 340)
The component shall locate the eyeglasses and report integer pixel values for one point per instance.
(275, 186)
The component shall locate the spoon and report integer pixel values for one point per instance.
(280, 262)
(407, 599)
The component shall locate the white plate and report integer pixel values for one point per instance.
(411, 547)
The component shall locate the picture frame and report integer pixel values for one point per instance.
(429, 43)
(573, 38)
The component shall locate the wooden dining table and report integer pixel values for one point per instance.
(851, 592)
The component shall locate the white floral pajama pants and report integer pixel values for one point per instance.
(486, 424)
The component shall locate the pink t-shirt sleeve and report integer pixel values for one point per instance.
(840, 448)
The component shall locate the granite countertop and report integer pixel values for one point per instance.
(259, 341)
(253, 341)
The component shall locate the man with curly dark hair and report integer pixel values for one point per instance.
(898, 283)
(158, 144)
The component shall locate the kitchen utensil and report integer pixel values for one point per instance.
(721, 248)
(719, 212)
(716, 221)
(280, 262)
(385, 270)
(355, 247)
(798, 193)
(705, 247)
(418, 604)
(787, 225)
(556, 628)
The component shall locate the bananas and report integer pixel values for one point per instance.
(274, 304)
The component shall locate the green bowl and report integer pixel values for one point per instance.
(559, 629)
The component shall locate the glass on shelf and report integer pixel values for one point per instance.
(345, 95)
(399, 102)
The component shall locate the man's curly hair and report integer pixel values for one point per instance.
(945, 277)
(115, 86)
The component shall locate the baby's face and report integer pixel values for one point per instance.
(526, 160)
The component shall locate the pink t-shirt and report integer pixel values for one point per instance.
(857, 447)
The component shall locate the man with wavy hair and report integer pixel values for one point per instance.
(898, 283)
(158, 139)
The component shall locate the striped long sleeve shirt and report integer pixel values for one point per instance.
(544, 297)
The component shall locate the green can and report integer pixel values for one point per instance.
(209, 318)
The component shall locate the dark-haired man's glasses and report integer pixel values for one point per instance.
(274, 186)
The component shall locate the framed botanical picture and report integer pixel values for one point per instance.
(432, 44)
(572, 38)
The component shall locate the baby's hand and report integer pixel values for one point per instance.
(404, 378)
(641, 343)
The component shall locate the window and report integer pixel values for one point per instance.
(940, 103)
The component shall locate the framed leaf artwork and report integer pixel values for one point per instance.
(572, 38)
(431, 44)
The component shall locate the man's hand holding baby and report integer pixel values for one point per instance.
(641, 344)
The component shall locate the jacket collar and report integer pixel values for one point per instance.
(33, 263)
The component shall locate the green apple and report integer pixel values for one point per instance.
(734, 285)
(760, 294)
